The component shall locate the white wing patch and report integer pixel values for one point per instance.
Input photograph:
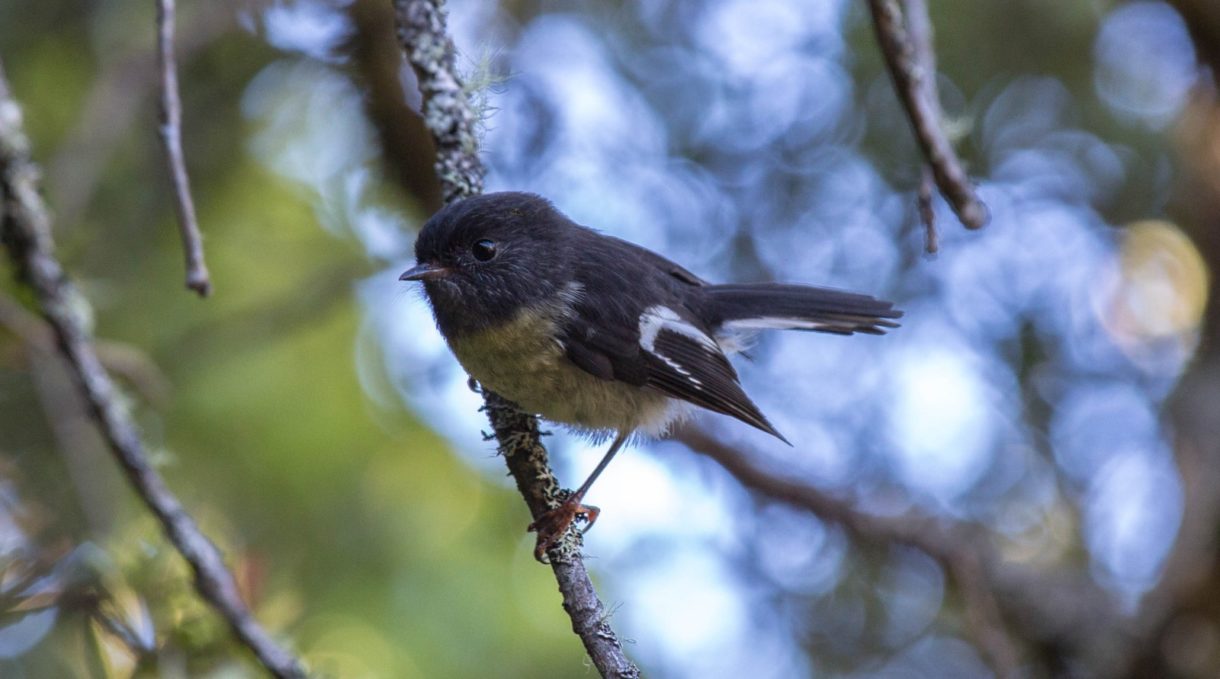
(778, 323)
(658, 318)
(685, 362)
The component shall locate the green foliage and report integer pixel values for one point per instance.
(353, 530)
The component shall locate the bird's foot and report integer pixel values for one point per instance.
(552, 526)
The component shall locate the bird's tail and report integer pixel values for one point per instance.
(760, 306)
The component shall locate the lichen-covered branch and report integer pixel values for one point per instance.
(25, 230)
(521, 446)
(447, 112)
(197, 277)
(913, 72)
(452, 123)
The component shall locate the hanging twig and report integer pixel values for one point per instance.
(25, 230)
(452, 123)
(197, 277)
(912, 69)
(927, 213)
(108, 109)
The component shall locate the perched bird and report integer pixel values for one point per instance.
(600, 334)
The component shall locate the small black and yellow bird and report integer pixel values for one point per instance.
(600, 334)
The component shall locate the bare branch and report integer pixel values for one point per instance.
(452, 123)
(913, 71)
(25, 230)
(927, 215)
(197, 277)
(952, 547)
(920, 29)
(375, 62)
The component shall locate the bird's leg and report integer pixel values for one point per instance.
(552, 525)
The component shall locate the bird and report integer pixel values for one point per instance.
(599, 334)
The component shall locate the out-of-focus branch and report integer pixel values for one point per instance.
(912, 69)
(919, 26)
(1061, 614)
(25, 230)
(956, 550)
(375, 65)
(452, 123)
(124, 360)
(1202, 19)
(66, 413)
(197, 277)
(927, 214)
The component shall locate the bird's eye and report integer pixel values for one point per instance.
(484, 250)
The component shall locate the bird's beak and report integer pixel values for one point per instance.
(424, 271)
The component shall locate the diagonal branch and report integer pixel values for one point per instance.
(525, 455)
(25, 230)
(908, 55)
(1063, 616)
(949, 546)
(452, 122)
(197, 277)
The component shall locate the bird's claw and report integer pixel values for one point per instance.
(552, 526)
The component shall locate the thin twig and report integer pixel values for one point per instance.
(197, 277)
(25, 230)
(452, 123)
(927, 214)
(121, 631)
(919, 27)
(953, 550)
(916, 88)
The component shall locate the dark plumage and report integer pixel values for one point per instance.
(599, 333)
(611, 284)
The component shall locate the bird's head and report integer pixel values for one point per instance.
(483, 259)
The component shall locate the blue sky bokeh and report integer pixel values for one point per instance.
(762, 141)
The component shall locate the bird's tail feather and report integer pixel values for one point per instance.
(759, 306)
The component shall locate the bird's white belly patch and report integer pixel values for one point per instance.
(522, 361)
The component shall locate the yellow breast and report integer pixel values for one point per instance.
(524, 362)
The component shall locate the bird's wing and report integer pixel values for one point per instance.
(685, 362)
(660, 349)
(632, 320)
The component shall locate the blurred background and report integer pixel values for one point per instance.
(1054, 390)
